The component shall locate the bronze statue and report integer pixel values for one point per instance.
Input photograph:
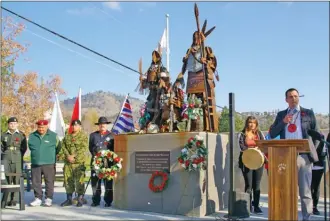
(201, 64)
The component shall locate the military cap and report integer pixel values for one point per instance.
(75, 122)
(12, 119)
(42, 122)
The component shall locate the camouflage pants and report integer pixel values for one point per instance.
(74, 178)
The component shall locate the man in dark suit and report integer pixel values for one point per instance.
(293, 123)
(98, 141)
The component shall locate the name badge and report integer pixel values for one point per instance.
(46, 141)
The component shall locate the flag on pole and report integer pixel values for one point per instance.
(124, 122)
(76, 113)
(56, 122)
(162, 44)
(163, 40)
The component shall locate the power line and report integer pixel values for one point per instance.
(74, 42)
(69, 49)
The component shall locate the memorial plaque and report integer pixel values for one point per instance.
(151, 161)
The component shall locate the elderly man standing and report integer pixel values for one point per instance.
(44, 145)
(101, 140)
(13, 148)
(74, 149)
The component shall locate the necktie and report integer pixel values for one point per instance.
(293, 111)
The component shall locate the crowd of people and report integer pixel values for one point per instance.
(46, 148)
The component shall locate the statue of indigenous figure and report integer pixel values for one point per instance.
(201, 64)
(170, 102)
(150, 82)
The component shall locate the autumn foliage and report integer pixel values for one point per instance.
(10, 48)
(26, 96)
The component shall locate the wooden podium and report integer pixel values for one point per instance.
(283, 176)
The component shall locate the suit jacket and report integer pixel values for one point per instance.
(308, 121)
(98, 143)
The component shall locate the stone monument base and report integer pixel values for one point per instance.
(188, 193)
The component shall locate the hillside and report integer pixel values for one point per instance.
(108, 104)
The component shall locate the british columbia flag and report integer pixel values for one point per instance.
(124, 122)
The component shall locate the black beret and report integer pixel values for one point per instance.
(75, 122)
(12, 119)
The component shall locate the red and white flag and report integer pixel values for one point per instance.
(76, 113)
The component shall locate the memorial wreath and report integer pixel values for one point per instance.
(162, 185)
(193, 155)
(101, 164)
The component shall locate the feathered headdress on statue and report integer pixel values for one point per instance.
(202, 34)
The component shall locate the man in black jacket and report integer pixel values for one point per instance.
(101, 140)
(317, 175)
(293, 123)
(13, 148)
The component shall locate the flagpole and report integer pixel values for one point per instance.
(122, 107)
(167, 43)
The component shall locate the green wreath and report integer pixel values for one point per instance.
(194, 154)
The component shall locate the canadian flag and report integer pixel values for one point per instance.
(76, 113)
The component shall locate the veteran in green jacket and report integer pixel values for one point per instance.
(13, 148)
(74, 151)
(44, 145)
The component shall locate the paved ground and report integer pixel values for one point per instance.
(88, 213)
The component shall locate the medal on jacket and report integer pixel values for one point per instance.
(292, 128)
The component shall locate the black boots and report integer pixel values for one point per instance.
(256, 200)
(68, 201)
(94, 204)
(316, 211)
(107, 205)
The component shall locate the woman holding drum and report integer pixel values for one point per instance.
(251, 160)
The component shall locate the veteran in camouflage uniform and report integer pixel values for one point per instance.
(13, 148)
(74, 150)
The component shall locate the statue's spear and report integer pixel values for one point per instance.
(201, 37)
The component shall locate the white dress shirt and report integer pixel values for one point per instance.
(296, 119)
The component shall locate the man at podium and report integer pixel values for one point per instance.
(293, 123)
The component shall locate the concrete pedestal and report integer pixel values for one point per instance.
(185, 194)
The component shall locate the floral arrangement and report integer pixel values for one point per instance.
(101, 164)
(192, 109)
(193, 155)
(164, 183)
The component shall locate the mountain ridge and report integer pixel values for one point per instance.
(108, 104)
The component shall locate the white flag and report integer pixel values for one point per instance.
(57, 123)
(163, 40)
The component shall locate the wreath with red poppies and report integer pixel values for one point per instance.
(162, 186)
(101, 164)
